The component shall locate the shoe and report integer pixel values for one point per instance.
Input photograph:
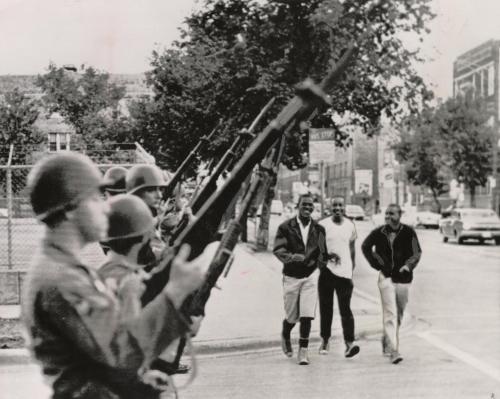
(286, 346)
(182, 369)
(169, 368)
(303, 358)
(351, 350)
(396, 358)
(324, 347)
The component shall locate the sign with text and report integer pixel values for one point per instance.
(321, 145)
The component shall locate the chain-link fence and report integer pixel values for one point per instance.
(20, 232)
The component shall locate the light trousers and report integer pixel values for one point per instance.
(394, 298)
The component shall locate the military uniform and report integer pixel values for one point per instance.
(85, 347)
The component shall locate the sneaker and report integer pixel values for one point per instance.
(324, 347)
(182, 369)
(351, 350)
(303, 357)
(286, 346)
(169, 368)
(396, 358)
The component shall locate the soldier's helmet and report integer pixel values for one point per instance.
(129, 217)
(116, 177)
(60, 181)
(143, 176)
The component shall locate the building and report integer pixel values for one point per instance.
(350, 172)
(477, 73)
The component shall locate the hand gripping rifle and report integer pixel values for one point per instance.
(211, 186)
(200, 232)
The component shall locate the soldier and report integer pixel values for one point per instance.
(85, 347)
(116, 178)
(147, 182)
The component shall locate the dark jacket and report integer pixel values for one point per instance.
(389, 258)
(288, 241)
(79, 336)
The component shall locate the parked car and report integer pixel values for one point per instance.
(471, 223)
(428, 219)
(276, 207)
(354, 212)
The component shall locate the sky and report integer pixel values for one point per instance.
(118, 36)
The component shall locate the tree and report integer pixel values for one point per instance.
(423, 153)
(17, 117)
(469, 140)
(207, 75)
(88, 101)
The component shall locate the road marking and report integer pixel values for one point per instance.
(461, 355)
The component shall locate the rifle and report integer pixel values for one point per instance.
(176, 178)
(221, 263)
(200, 232)
(211, 186)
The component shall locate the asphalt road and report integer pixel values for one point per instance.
(453, 351)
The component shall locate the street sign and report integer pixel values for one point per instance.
(321, 145)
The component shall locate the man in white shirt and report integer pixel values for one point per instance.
(337, 277)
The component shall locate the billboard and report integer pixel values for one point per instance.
(363, 182)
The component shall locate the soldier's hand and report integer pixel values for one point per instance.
(131, 286)
(405, 268)
(185, 276)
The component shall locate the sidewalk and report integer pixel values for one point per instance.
(246, 313)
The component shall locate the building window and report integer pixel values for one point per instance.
(59, 141)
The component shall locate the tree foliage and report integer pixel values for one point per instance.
(421, 150)
(17, 117)
(452, 139)
(469, 139)
(208, 75)
(88, 101)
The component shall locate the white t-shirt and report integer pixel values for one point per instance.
(338, 237)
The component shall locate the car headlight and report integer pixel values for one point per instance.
(466, 226)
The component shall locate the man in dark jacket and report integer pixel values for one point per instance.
(394, 250)
(300, 245)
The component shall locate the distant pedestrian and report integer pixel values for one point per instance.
(394, 250)
(300, 245)
(336, 277)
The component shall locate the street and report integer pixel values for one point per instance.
(450, 349)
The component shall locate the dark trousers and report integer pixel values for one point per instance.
(328, 284)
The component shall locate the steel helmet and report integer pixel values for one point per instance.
(142, 176)
(116, 176)
(61, 180)
(129, 217)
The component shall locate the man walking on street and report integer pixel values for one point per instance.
(337, 277)
(394, 250)
(300, 246)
